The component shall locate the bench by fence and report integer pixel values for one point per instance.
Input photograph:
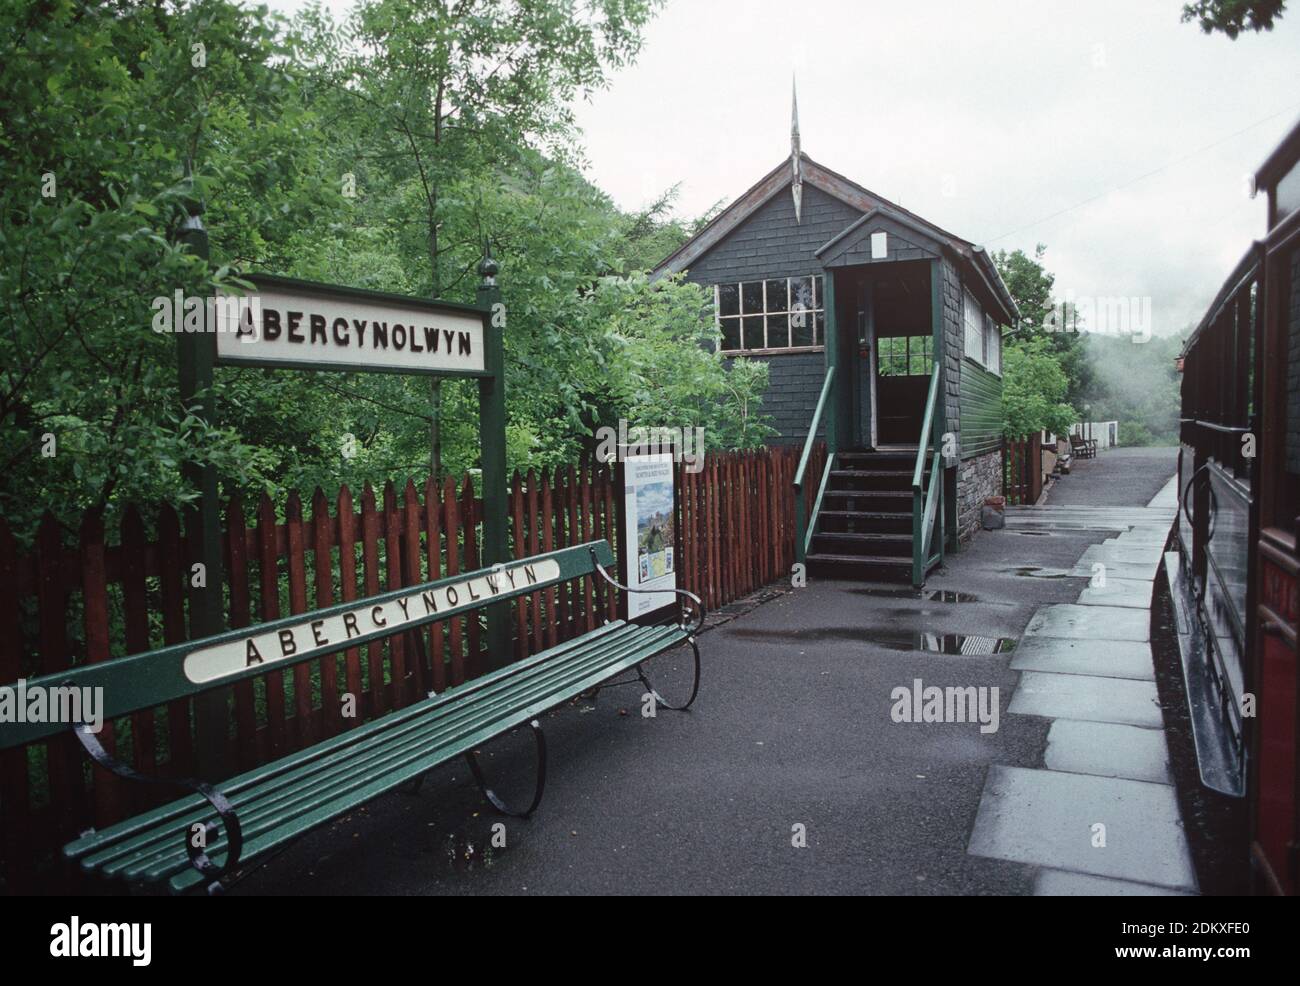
(1083, 448)
(203, 838)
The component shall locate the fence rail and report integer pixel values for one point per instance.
(90, 597)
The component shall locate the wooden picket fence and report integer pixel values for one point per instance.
(1022, 469)
(98, 598)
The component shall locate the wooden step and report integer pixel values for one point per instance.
(881, 521)
(868, 514)
(858, 544)
(868, 567)
(893, 501)
(898, 480)
(878, 459)
(887, 561)
(874, 473)
(881, 568)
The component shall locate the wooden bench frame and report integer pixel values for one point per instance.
(1083, 448)
(539, 682)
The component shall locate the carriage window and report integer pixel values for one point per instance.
(782, 313)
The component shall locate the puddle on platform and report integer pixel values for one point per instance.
(947, 643)
(926, 595)
(1032, 534)
(904, 640)
(1034, 572)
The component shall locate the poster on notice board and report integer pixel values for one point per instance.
(648, 525)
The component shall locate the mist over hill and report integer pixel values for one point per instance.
(1136, 383)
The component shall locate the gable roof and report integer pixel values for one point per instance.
(851, 193)
(855, 231)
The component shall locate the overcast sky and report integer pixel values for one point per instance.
(1107, 129)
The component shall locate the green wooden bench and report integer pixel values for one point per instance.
(200, 839)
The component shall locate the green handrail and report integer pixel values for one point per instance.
(803, 524)
(925, 502)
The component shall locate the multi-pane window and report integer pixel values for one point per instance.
(776, 313)
(905, 356)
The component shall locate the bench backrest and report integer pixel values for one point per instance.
(142, 681)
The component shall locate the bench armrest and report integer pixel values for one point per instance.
(198, 855)
(699, 604)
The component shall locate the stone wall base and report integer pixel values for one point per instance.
(977, 477)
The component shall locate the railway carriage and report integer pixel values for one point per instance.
(1239, 496)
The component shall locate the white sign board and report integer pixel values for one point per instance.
(649, 532)
(363, 621)
(307, 326)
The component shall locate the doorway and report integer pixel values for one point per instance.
(894, 352)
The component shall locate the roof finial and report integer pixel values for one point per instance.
(796, 166)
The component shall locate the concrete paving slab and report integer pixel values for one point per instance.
(1106, 658)
(1090, 622)
(1051, 818)
(1089, 697)
(1167, 497)
(1115, 570)
(1131, 593)
(1144, 539)
(1108, 749)
(1111, 553)
(1150, 543)
(1061, 883)
(1117, 523)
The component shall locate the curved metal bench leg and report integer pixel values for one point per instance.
(695, 685)
(472, 759)
(412, 787)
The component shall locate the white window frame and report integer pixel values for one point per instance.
(972, 317)
(818, 343)
(992, 345)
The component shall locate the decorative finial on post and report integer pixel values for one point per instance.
(488, 267)
(796, 165)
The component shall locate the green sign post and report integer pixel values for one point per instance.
(492, 442)
(292, 324)
(203, 529)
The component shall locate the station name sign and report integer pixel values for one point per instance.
(357, 623)
(302, 325)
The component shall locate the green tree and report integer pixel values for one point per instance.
(1033, 390)
(455, 91)
(104, 105)
(1044, 364)
(1234, 16)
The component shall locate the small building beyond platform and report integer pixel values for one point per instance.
(811, 273)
